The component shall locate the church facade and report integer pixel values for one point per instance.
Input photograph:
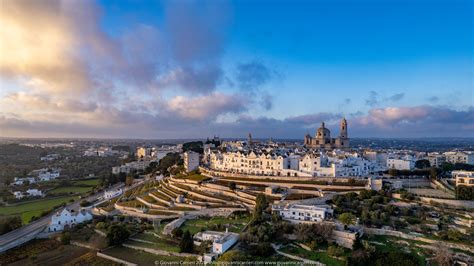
(323, 140)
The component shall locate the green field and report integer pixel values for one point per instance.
(141, 257)
(313, 255)
(70, 190)
(33, 208)
(87, 182)
(161, 244)
(197, 225)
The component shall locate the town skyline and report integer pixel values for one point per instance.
(393, 70)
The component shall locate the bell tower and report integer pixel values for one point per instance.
(343, 133)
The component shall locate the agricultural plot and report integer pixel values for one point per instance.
(215, 224)
(320, 256)
(141, 257)
(34, 208)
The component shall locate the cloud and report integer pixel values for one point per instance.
(252, 75)
(396, 97)
(373, 99)
(207, 107)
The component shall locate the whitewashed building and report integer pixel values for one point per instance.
(191, 161)
(108, 194)
(303, 212)
(67, 218)
(221, 241)
(466, 157)
(403, 163)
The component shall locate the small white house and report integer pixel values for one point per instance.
(221, 241)
(112, 193)
(34, 193)
(18, 194)
(68, 218)
(303, 212)
(191, 161)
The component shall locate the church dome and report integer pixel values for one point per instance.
(323, 132)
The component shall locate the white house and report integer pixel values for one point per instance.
(67, 218)
(18, 194)
(34, 193)
(221, 241)
(191, 161)
(466, 157)
(303, 212)
(112, 193)
(404, 163)
(48, 175)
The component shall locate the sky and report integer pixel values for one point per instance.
(195, 69)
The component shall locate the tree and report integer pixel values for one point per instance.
(422, 164)
(232, 186)
(464, 193)
(177, 232)
(129, 180)
(8, 224)
(186, 244)
(232, 255)
(443, 256)
(84, 203)
(260, 205)
(347, 218)
(335, 251)
(117, 234)
(65, 238)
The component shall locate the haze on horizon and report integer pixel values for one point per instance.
(193, 69)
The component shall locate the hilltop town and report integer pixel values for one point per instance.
(317, 200)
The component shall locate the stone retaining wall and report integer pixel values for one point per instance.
(114, 259)
(376, 231)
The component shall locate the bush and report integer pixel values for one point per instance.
(84, 203)
(65, 238)
(117, 234)
(335, 251)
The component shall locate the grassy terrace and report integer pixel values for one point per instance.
(320, 256)
(141, 257)
(158, 212)
(391, 243)
(87, 182)
(195, 177)
(215, 224)
(33, 208)
(222, 197)
(312, 182)
(70, 190)
(157, 243)
(159, 194)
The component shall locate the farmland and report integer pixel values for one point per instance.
(34, 208)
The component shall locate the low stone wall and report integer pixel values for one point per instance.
(134, 212)
(160, 199)
(376, 231)
(151, 205)
(160, 252)
(198, 195)
(344, 239)
(114, 259)
(461, 204)
(291, 185)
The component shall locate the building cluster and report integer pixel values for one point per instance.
(39, 175)
(28, 193)
(101, 152)
(50, 157)
(335, 163)
(130, 167)
(156, 152)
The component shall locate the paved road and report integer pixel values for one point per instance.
(27, 232)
